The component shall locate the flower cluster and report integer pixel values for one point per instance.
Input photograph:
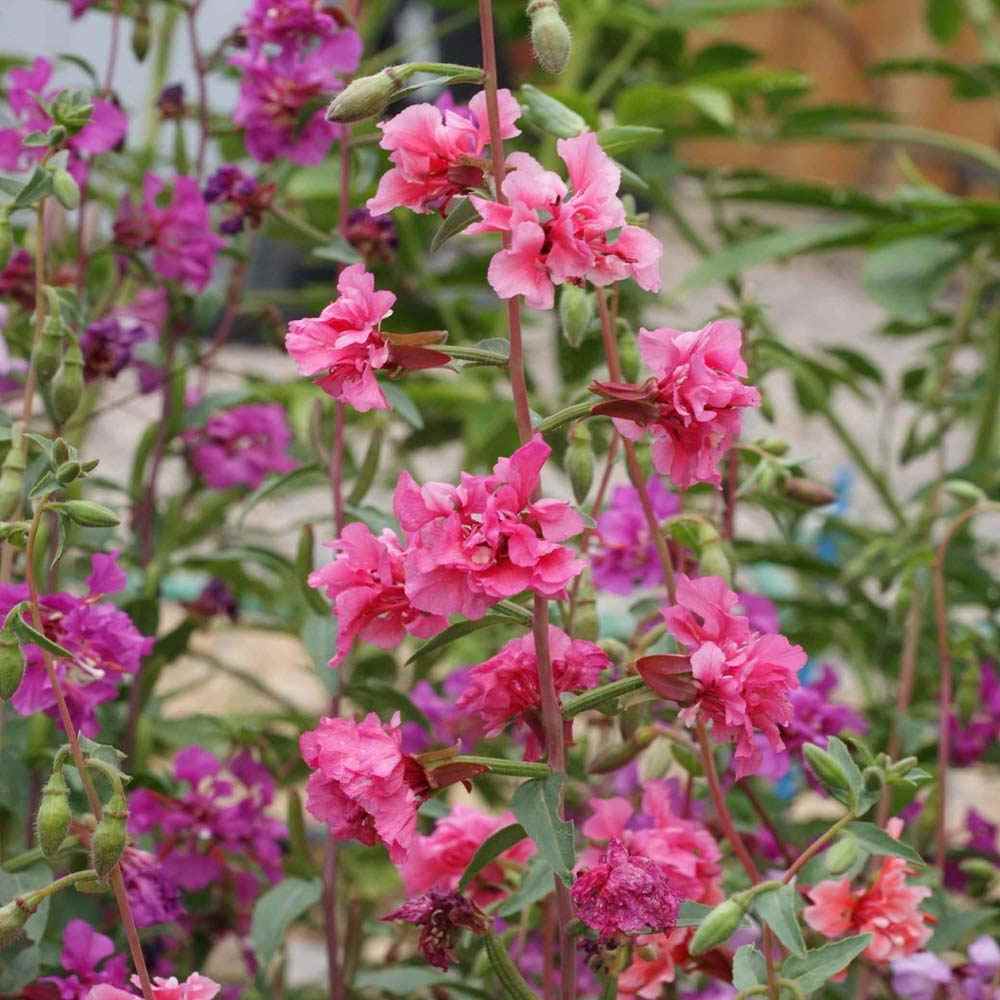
(974, 734)
(246, 198)
(440, 916)
(925, 976)
(108, 344)
(88, 959)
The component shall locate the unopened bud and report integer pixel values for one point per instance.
(586, 624)
(580, 462)
(774, 446)
(628, 353)
(140, 34)
(550, 38)
(12, 473)
(65, 188)
(60, 451)
(88, 514)
(826, 768)
(11, 665)
(616, 650)
(6, 240)
(717, 927)
(68, 472)
(980, 873)
(618, 756)
(48, 353)
(54, 815)
(576, 310)
(841, 856)
(366, 97)
(13, 916)
(90, 465)
(714, 562)
(873, 779)
(808, 492)
(108, 840)
(67, 385)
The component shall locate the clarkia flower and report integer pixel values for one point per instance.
(438, 153)
(691, 406)
(87, 960)
(215, 599)
(655, 960)
(447, 727)
(557, 236)
(486, 539)
(440, 916)
(107, 346)
(974, 734)
(815, 716)
(195, 987)
(247, 199)
(17, 280)
(374, 237)
(295, 25)
(362, 786)
(241, 446)
(153, 894)
(924, 976)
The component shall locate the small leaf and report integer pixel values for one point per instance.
(458, 219)
(777, 909)
(456, 631)
(275, 911)
(620, 139)
(403, 405)
(816, 968)
(339, 251)
(26, 634)
(876, 841)
(303, 477)
(544, 112)
(944, 19)
(38, 185)
(536, 884)
(536, 805)
(692, 913)
(490, 849)
(749, 968)
(906, 276)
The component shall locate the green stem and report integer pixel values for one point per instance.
(510, 768)
(814, 848)
(300, 225)
(611, 73)
(473, 354)
(34, 897)
(984, 447)
(785, 984)
(565, 416)
(599, 695)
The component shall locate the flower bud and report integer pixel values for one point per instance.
(89, 466)
(615, 649)
(717, 927)
(873, 780)
(618, 756)
(576, 310)
(65, 188)
(774, 446)
(48, 353)
(13, 916)
(11, 665)
(809, 492)
(108, 840)
(140, 34)
(54, 815)
(12, 473)
(60, 451)
(826, 767)
(628, 353)
(89, 514)
(841, 855)
(580, 462)
(67, 385)
(550, 38)
(366, 97)
(714, 562)
(68, 472)
(6, 239)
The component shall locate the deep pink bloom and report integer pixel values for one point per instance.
(692, 405)
(246, 199)
(295, 25)
(625, 893)
(365, 583)
(88, 959)
(437, 154)
(195, 987)
(974, 734)
(153, 894)
(447, 727)
(744, 678)
(105, 646)
(440, 916)
(486, 539)
(362, 784)
(655, 960)
(438, 860)
(78, 8)
(344, 342)
(889, 909)
(241, 446)
(505, 688)
(558, 237)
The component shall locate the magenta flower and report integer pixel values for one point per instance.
(152, 893)
(195, 987)
(365, 583)
(486, 539)
(625, 893)
(505, 688)
(447, 727)
(815, 716)
(245, 197)
(17, 280)
(88, 959)
(105, 646)
(761, 612)
(294, 25)
(558, 237)
(362, 786)
(107, 346)
(626, 558)
(241, 446)
(438, 154)
(743, 678)
(971, 737)
(440, 916)
(691, 406)
(374, 237)
(344, 342)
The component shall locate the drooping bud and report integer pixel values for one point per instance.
(580, 461)
(54, 815)
(366, 97)
(550, 38)
(826, 768)
(717, 927)
(841, 855)
(67, 385)
(108, 840)
(140, 34)
(809, 492)
(6, 239)
(576, 310)
(713, 561)
(88, 514)
(65, 188)
(12, 473)
(11, 665)
(13, 916)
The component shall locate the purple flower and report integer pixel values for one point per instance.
(104, 643)
(17, 279)
(440, 916)
(170, 103)
(815, 716)
(447, 725)
(973, 736)
(294, 25)
(248, 199)
(153, 895)
(374, 237)
(761, 611)
(215, 599)
(919, 976)
(627, 556)
(107, 347)
(713, 991)
(241, 446)
(87, 959)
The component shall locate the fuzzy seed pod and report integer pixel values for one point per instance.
(108, 840)
(67, 385)
(65, 188)
(11, 665)
(6, 240)
(841, 855)
(826, 768)
(366, 97)
(550, 38)
(576, 311)
(13, 916)
(68, 472)
(717, 927)
(89, 514)
(54, 815)
(12, 473)
(580, 462)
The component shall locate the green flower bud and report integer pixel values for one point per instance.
(826, 768)
(980, 873)
(65, 188)
(714, 562)
(366, 97)
(11, 665)
(89, 467)
(140, 35)
(12, 473)
(841, 855)
(806, 491)
(628, 353)
(71, 110)
(68, 472)
(873, 780)
(13, 916)
(580, 462)
(618, 756)
(48, 353)
(60, 451)
(67, 385)
(616, 650)
(88, 514)
(550, 38)
(585, 621)
(54, 815)
(774, 446)
(717, 927)
(576, 311)
(6, 240)
(108, 840)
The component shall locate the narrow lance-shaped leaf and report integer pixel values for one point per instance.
(815, 968)
(778, 910)
(491, 849)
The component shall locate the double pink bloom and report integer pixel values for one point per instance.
(195, 987)
(558, 237)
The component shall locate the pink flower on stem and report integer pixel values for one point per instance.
(366, 584)
(486, 539)
(195, 987)
(362, 784)
(691, 406)
(88, 959)
(295, 25)
(654, 964)
(625, 893)
(437, 154)
(440, 916)
(558, 237)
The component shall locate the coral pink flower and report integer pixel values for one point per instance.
(743, 678)
(557, 237)
(889, 909)
(344, 342)
(438, 860)
(437, 154)
(505, 687)
(195, 987)
(625, 893)
(365, 583)
(440, 916)
(691, 405)
(654, 963)
(363, 786)
(486, 539)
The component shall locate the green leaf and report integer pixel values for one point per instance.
(692, 914)
(838, 750)
(457, 631)
(339, 251)
(777, 908)
(20, 969)
(876, 841)
(749, 968)
(458, 219)
(547, 114)
(490, 849)
(905, 277)
(402, 404)
(536, 884)
(536, 805)
(620, 139)
(275, 911)
(26, 634)
(38, 185)
(815, 968)
(13, 884)
(944, 19)
(712, 102)
(304, 477)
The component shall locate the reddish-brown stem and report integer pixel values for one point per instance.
(815, 847)
(548, 948)
(198, 62)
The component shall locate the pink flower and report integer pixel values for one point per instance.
(486, 539)
(743, 678)
(345, 343)
(195, 987)
(556, 237)
(505, 688)
(365, 583)
(294, 25)
(440, 916)
(691, 405)
(438, 860)
(654, 963)
(437, 154)
(241, 446)
(889, 909)
(84, 949)
(625, 893)
(363, 786)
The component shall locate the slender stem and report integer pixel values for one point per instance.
(816, 846)
(116, 25)
(200, 72)
(984, 447)
(565, 416)
(34, 897)
(511, 768)
(300, 225)
(337, 467)
(599, 695)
